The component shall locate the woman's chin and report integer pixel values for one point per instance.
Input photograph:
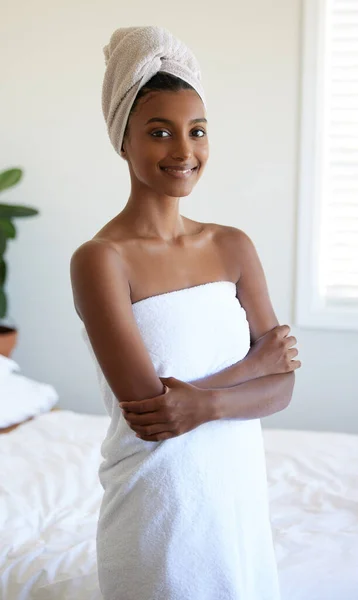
(178, 191)
(179, 187)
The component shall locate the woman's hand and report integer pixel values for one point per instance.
(273, 352)
(181, 408)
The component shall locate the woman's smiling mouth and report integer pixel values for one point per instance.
(178, 173)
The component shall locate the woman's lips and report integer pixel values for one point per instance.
(179, 174)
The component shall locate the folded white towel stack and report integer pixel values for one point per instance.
(133, 56)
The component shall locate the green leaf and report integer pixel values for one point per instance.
(9, 211)
(3, 270)
(2, 242)
(8, 228)
(9, 178)
(3, 304)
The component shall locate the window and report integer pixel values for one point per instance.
(327, 261)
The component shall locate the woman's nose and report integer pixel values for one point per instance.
(183, 149)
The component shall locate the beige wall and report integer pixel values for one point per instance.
(51, 123)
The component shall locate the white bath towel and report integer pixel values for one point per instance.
(186, 518)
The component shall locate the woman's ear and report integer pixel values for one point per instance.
(123, 153)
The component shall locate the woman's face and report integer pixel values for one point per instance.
(167, 129)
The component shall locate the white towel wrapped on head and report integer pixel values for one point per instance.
(133, 56)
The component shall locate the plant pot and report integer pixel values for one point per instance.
(8, 339)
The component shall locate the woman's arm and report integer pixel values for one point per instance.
(241, 371)
(260, 384)
(101, 296)
(252, 400)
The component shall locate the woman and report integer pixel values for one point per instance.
(168, 300)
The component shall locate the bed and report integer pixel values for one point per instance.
(50, 498)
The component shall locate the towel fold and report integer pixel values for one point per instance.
(133, 56)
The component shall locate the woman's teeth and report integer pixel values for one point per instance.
(179, 173)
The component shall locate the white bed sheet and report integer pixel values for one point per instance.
(50, 497)
(313, 487)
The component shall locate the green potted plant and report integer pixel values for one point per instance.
(8, 178)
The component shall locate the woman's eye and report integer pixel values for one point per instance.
(203, 132)
(155, 132)
(163, 131)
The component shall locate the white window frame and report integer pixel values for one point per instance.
(310, 309)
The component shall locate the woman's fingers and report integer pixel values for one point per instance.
(147, 424)
(148, 418)
(292, 352)
(150, 429)
(158, 437)
(154, 429)
(291, 341)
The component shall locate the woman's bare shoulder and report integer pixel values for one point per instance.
(217, 231)
(100, 247)
(89, 255)
(233, 239)
(96, 262)
(228, 232)
(234, 246)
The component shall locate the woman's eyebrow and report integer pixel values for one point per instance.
(202, 120)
